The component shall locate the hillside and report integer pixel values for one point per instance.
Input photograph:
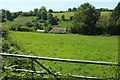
(66, 14)
(23, 20)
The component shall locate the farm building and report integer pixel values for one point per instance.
(58, 30)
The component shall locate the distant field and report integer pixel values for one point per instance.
(20, 20)
(72, 46)
(66, 14)
(105, 15)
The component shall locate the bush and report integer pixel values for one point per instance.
(29, 24)
(23, 28)
(15, 27)
(48, 28)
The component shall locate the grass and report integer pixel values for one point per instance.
(106, 15)
(66, 14)
(20, 20)
(65, 24)
(72, 46)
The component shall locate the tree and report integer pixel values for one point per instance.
(50, 10)
(114, 22)
(35, 11)
(30, 13)
(42, 9)
(85, 19)
(52, 20)
(71, 18)
(63, 18)
(14, 15)
(74, 9)
(38, 15)
(44, 15)
(69, 10)
(3, 13)
(49, 16)
(8, 15)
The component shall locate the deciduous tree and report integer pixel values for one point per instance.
(85, 19)
(114, 22)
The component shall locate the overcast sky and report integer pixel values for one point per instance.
(56, 5)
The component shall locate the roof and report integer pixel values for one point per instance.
(58, 30)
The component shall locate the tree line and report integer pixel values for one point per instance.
(86, 20)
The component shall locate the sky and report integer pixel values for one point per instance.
(56, 5)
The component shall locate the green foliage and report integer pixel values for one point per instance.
(5, 32)
(63, 18)
(10, 46)
(35, 11)
(18, 27)
(44, 15)
(15, 27)
(50, 11)
(23, 28)
(52, 20)
(8, 15)
(102, 23)
(69, 10)
(85, 19)
(72, 10)
(48, 28)
(114, 22)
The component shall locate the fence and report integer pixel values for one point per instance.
(35, 58)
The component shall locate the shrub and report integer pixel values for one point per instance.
(23, 28)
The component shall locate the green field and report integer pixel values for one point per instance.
(72, 46)
(106, 15)
(66, 14)
(19, 20)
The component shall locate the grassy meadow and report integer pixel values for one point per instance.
(66, 14)
(19, 20)
(71, 46)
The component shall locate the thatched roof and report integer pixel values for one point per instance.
(58, 30)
